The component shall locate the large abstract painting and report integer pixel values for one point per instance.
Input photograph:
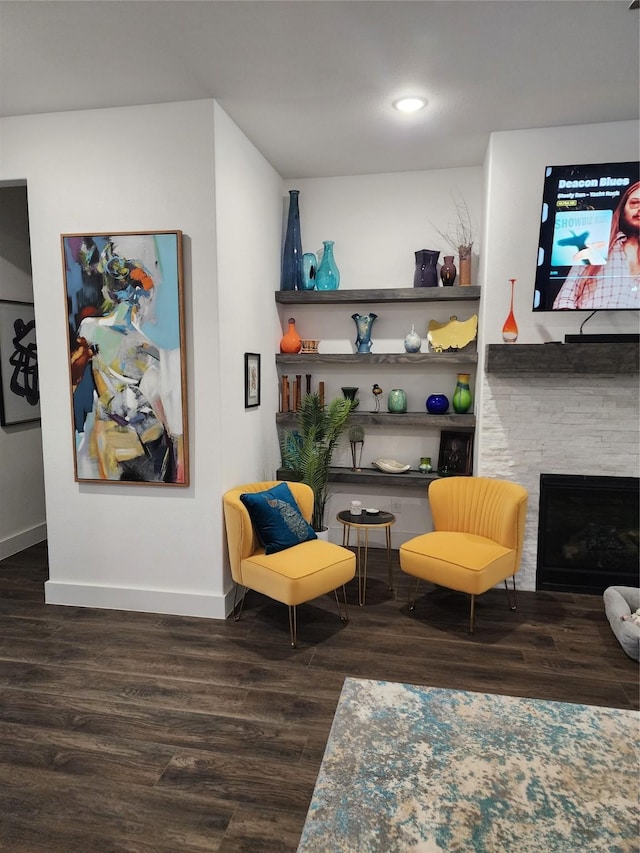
(20, 394)
(126, 357)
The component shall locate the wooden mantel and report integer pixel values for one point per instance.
(592, 357)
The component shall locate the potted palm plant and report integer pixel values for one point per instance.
(307, 450)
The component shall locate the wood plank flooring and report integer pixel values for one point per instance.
(138, 732)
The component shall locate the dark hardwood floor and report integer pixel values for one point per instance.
(136, 732)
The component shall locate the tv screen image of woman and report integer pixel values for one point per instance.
(589, 252)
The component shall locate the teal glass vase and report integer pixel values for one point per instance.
(309, 267)
(327, 274)
(397, 401)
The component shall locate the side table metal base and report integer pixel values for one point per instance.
(362, 524)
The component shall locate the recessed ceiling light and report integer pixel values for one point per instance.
(409, 105)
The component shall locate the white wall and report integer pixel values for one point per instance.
(138, 168)
(514, 175)
(248, 194)
(559, 424)
(378, 222)
(192, 169)
(22, 512)
(248, 210)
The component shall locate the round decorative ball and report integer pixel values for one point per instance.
(437, 404)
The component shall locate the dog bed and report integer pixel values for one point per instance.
(621, 604)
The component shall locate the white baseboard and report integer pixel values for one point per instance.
(14, 544)
(139, 600)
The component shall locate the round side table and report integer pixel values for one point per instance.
(362, 524)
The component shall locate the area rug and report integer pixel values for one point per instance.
(411, 768)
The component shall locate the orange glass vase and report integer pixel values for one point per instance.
(510, 328)
(290, 341)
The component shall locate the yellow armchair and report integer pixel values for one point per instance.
(477, 538)
(292, 576)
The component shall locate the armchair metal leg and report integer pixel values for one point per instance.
(472, 613)
(511, 602)
(293, 625)
(344, 618)
(412, 601)
(236, 616)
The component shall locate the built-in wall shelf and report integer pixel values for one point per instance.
(456, 293)
(463, 423)
(541, 359)
(374, 477)
(364, 359)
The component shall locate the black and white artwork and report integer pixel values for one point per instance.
(19, 390)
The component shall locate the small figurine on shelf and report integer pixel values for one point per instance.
(376, 391)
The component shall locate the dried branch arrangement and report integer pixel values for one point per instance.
(460, 233)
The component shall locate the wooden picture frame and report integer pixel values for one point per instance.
(19, 388)
(127, 368)
(456, 454)
(251, 380)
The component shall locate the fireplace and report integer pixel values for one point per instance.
(587, 533)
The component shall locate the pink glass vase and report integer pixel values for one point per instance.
(510, 328)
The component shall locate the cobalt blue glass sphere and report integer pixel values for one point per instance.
(437, 404)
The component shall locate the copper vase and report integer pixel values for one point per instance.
(464, 265)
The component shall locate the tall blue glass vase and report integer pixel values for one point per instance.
(291, 277)
(327, 274)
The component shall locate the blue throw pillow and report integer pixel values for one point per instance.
(277, 519)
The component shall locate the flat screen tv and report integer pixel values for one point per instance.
(588, 253)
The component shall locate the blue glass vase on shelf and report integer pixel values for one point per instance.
(309, 268)
(364, 324)
(291, 277)
(437, 404)
(327, 274)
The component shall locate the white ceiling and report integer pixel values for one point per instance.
(311, 83)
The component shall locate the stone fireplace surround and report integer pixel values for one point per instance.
(559, 409)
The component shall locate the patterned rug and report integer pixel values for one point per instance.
(424, 769)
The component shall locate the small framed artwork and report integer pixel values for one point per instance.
(19, 389)
(456, 454)
(251, 380)
(127, 368)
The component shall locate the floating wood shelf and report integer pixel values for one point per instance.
(397, 294)
(364, 359)
(374, 477)
(541, 359)
(465, 423)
